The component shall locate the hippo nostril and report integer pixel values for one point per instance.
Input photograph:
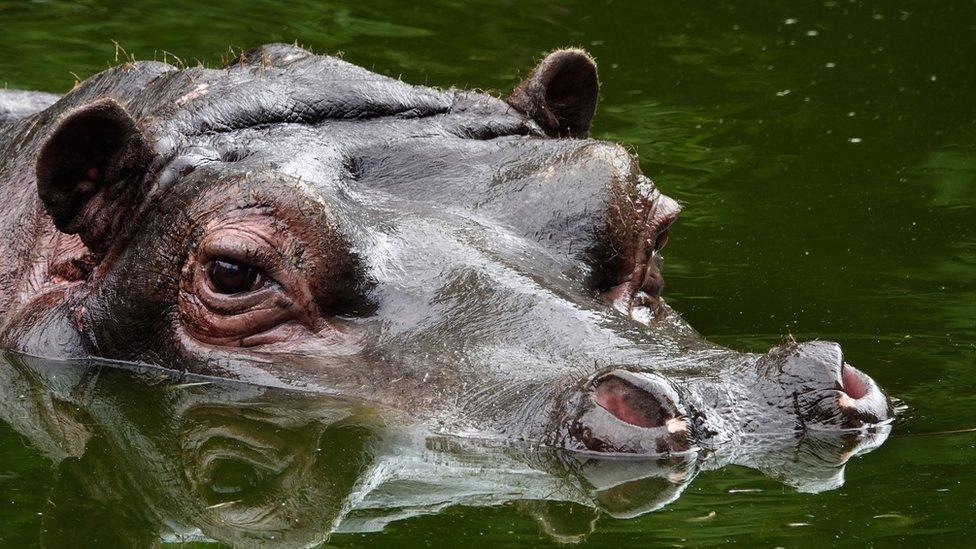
(633, 404)
(632, 412)
(853, 382)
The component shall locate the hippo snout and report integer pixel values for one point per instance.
(825, 391)
(791, 390)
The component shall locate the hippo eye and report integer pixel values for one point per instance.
(229, 277)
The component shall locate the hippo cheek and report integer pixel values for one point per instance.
(632, 413)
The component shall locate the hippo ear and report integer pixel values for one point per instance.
(560, 94)
(90, 171)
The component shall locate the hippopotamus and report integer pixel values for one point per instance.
(479, 263)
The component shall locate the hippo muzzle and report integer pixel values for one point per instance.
(825, 391)
(793, 389)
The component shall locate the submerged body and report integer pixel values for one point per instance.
(295, 220)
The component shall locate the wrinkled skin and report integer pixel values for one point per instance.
(295, 220)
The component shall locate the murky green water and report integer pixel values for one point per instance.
(826, 156)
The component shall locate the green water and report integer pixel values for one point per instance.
(825, 154)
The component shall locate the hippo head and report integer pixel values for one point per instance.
(294, 219)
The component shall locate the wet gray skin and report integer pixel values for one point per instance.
(143, 454)
(295, 220)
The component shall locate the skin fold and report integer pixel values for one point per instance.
(295, 220)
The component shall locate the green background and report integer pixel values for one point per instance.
(825, 154)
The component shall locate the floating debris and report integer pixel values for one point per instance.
(223, 504)
(705, 518)
(896, 518)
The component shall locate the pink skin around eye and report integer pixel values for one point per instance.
(644, 278)
(283, 302)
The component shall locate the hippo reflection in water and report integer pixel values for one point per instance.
(295, 220)
(144, 454)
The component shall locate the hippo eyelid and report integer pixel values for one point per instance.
(661, 237)
(666, 212)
